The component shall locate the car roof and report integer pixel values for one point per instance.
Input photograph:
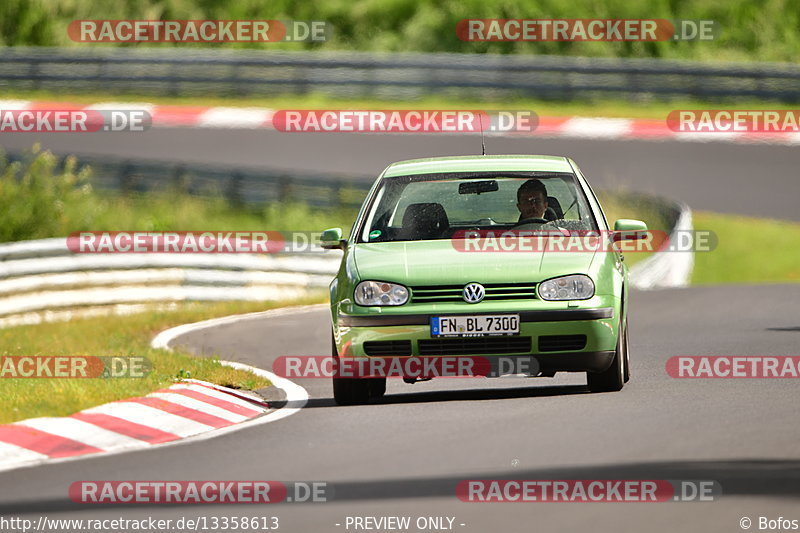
(480, 163)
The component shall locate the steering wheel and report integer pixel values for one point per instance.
(535, 220)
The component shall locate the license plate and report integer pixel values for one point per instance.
(474, 326)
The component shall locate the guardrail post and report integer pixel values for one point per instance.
(126, 177)
(233, 191)
(337, 194)
(34, 73)
(180, 179)
(284, 189)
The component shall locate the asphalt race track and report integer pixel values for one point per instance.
(404, 455)
(750, 179)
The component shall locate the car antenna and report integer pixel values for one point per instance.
(483, 144)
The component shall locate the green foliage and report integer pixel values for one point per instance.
(39, 200)
(754, 30)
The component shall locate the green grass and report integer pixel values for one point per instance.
(645, 108)
(749, 250)
(115, 336)
(752, 30)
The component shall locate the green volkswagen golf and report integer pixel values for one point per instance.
(482, 256)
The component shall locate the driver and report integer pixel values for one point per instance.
(531, 200)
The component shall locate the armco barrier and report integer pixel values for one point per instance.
(208, 71)
(45, 275)
(667, 269)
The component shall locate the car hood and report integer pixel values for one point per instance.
(439, 263)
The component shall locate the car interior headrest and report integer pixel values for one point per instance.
(553, 211)
(424, 221)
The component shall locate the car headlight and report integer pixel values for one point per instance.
(380, 293)
(575, 287)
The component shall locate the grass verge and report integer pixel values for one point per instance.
(749, 250)
(116, 336)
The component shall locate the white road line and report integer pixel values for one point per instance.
(151, 417)
(83, 432)
(122, 106)
(608, 128)
(205, 407)
(245, 395)
(705, 136)
(296, 396)
(11, 105)
(17, 456)
(163, 339)
(208, 391)
(234, 117)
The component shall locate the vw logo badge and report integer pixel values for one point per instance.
(473, 293)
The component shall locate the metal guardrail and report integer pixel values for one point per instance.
(203, 71)
(665, 269)
(44, 275)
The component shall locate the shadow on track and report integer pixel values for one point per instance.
(464, 395)
(738, 477)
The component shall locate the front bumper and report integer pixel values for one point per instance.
(560, 339)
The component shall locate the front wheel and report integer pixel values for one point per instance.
(627, 356)
(352, 391)
(614, 378)
(377, 387)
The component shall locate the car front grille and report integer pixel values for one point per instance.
(453, 293)
(387, 348)
(558, 343)
(475, 345)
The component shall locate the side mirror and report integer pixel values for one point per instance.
(626, 229)
(331, 239)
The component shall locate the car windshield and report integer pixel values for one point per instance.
(442, 206)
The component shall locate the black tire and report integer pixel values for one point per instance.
(377, 387)
(627, 355)
(350, 391)
(612, 379)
